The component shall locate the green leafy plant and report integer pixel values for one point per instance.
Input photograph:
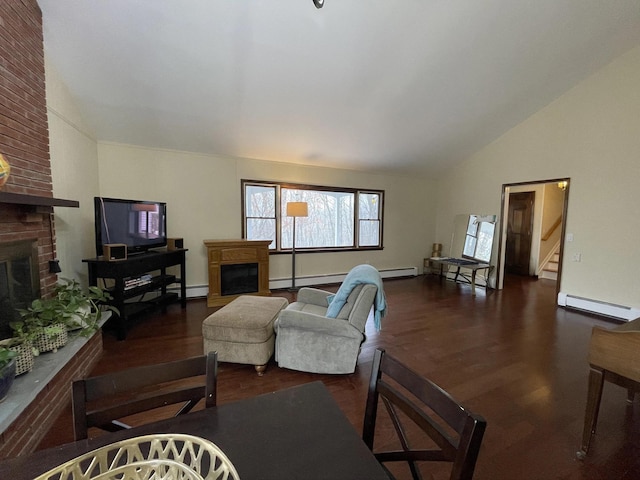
(24, 330)
(7, 371)
(80, 307)
(5, 356)
(42, 325)
(70, 306)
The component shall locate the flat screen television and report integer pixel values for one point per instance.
(140, 225)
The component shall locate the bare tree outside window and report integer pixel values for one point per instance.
(337, 218)
(260, 213)
(330, 220)
(369, 207)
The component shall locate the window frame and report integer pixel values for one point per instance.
(279, 214)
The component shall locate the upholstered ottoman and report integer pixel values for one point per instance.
(242, 331)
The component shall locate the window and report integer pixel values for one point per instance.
(259, 213)
(338, 218)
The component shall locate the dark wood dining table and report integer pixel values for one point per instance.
(295, 433)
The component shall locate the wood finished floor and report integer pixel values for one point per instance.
(511, 356)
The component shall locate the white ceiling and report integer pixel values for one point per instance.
(397, 86)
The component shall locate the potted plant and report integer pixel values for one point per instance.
(23, 348)
(81, 309)
(43, 324)
(7, 370)
(46, 321)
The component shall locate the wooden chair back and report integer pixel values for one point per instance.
(456, 432)
(614, 355)
(100, 401)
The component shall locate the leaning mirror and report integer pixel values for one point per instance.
(472, 238)
(478, 241)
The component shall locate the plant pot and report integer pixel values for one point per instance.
(47, 342)
(24, 360)
(7, 375)
(24, 349)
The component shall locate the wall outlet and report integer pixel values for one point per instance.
(569, 237)
(577, 257)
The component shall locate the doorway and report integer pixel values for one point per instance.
(542, 210)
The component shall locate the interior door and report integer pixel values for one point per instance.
(519, 232)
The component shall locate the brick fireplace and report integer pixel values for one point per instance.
(24, 135)
(19, 280)
(27, 203)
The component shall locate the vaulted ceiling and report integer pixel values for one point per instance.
(396, 86)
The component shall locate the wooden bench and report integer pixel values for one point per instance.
(614, 355)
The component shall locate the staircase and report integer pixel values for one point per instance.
(550, 269)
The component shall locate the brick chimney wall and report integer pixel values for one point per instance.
(24, 141)
(24, 132)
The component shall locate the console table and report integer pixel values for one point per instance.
(123, 271)
(459, 263)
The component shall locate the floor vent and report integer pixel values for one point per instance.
(606, 309)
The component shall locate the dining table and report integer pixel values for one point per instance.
(295, 433)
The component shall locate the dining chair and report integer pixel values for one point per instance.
(410, 398)
(614, 356)
(101, 401)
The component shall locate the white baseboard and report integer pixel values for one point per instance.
(199, 291)
(193, 291)
(620, 312)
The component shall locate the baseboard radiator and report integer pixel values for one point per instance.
(198, 291)
(619, 312)
(339, 277)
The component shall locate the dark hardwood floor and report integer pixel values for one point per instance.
(511, 356)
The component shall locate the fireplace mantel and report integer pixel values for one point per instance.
(36, 200)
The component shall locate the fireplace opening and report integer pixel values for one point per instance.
(19, 280)
(238, 278)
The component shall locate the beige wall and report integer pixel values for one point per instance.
(204, 201)
(203, 197)
(590, 134)
(74, 170)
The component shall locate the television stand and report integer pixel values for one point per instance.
(142, 252)
(151, 269)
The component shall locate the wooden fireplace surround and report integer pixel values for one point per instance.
(235, 252)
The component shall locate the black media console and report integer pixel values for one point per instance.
(136, 276)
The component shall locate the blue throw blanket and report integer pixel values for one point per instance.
(357, 276)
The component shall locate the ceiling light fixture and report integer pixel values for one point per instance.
(318, 3)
